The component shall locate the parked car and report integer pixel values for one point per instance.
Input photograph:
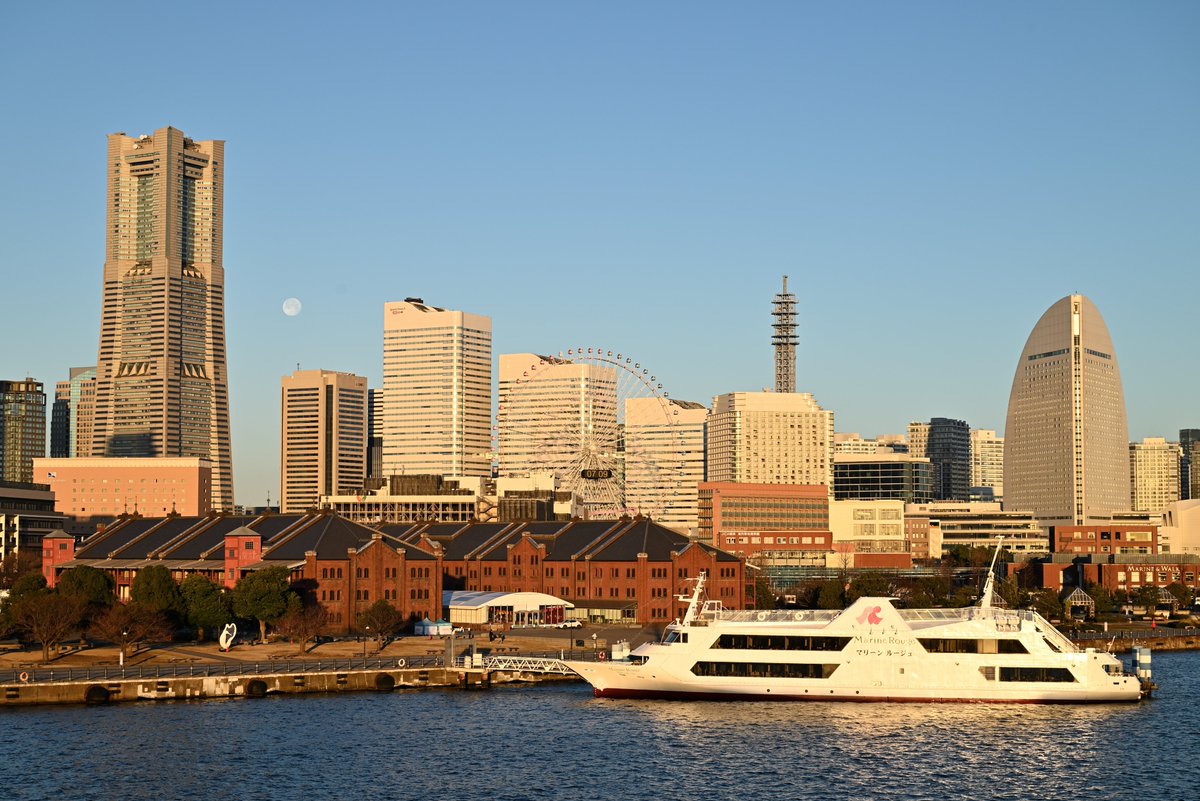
(570, 624)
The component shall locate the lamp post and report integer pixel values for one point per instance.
(366, 636)
(121, 656)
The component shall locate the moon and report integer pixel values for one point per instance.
(291, 307)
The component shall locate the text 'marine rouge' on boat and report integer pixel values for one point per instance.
(871, 651)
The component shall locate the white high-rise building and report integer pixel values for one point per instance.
(437, 390)
(1154, 474)
(324, 444)
(770, 438)
(987, 461)
(547, 400)
(664, 453)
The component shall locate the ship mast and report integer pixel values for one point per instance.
(989, 586)
(694, 600)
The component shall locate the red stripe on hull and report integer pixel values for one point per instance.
(667, 695)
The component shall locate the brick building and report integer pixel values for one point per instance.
(628, 570)
(621, 570)
(1104, 539)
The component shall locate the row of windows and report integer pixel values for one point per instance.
(765, 670)
(963, 646)
(780, 642)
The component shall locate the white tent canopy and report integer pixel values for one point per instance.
(516, 608)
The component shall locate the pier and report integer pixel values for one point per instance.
(102, 685)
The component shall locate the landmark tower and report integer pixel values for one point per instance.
(161, 382)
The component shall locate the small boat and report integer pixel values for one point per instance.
(871, 651)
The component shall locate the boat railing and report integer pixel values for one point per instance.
(775, 615)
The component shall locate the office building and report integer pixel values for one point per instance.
(561, 416)
(106, 487)
(26, 516)
(1154, 474)
(948, 447)
(770, 438)
(323, 450)
(22, 428)
(853, 443)
(1066, 446)
(884, 475)
(1189, 479)
(71, 416)
(978, 525)
(162, 389)
(374, 435)
(664, 459)
(987, 465)
(437, 390)
(918, 439)
(761, 519)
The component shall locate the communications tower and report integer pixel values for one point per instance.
(785, 340)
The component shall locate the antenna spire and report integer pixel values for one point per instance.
(784, 339)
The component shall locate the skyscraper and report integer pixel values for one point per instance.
(770, 438)
(664, 450)
(161, 382)
(437, 390)
(22, 428)
(784, 339)
(323, 450)
(1189, 465)
(1066, 447)
(987, 462)
(949, 451)
(71, 419)
(1154, 474)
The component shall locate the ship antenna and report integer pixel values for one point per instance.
(989, 586)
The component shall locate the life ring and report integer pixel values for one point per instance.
(799, 616)
(762, 615)
(24, 676)
(400, 662)
(600, 656)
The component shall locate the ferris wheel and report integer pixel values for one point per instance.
(599, 422)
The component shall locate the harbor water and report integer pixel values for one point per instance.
(555, 741)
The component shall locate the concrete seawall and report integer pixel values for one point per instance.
(256, 685)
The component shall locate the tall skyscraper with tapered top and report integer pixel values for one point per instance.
(161, 382)
(1066, 450)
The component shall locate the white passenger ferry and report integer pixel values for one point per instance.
(871, 651)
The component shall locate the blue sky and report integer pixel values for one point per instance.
(931, 176)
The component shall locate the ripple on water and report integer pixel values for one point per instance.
(557, 741)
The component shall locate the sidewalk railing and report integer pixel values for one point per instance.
(272, 667)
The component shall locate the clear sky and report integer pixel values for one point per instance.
(931, 176)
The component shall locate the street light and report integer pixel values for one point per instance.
(366, 636)
(121, 656)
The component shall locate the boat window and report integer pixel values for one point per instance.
(1053, 647)
(779, 642)
(1001, 646)
(675, 636)
(989, 673)
(1035, 674)
(949, 645)
(764, 670)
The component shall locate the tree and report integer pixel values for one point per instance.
(17, 564)
(1046, 604)
(263, 596)
(1103, 598)
(123, 624)
(868, 585)
(764, 596)
(831, 595)
(94, 587)
(382, 621)
(154, 589)
(206, 606)
(48, 617)
(303, 622)
(1147, 598)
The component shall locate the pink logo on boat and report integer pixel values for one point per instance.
(871, 616)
